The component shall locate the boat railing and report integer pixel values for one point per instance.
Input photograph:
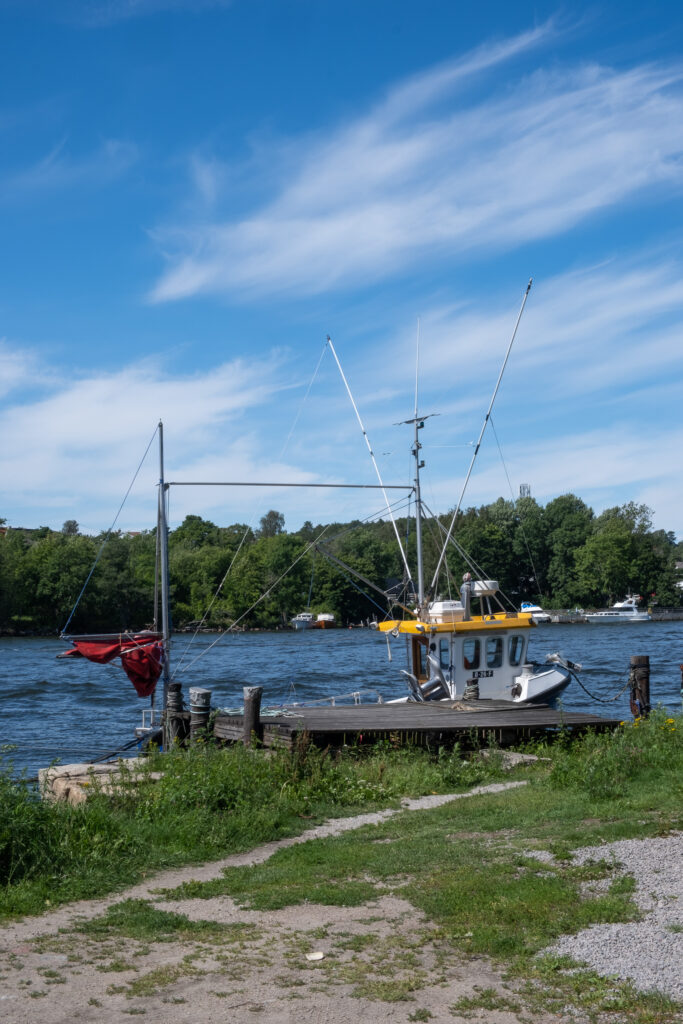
(151, 720)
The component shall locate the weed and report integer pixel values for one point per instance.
(485, 999)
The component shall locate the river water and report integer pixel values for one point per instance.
(71, 710)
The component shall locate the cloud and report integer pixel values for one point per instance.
(605, 468)
(75, 450)
(433, 171)
(587, 335)
(589, 403)
(18, 369)
(60, 170)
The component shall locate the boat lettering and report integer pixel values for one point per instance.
(482, 673)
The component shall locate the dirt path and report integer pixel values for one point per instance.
(380, 962)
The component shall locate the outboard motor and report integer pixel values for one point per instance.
(466, 595)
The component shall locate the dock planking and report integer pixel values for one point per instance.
(442, 723)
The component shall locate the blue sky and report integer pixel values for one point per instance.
(194, 194)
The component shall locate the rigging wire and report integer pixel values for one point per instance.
(257, 602)
(514, 500)
(372, 456)
(481, 436)
(109, 532)
(249, 527)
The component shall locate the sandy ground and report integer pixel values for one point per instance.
(380, 962)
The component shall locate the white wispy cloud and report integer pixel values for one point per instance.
(77, 447)
(589, 404)
(18, 368)
(60, 169)
(585, 333)
(434, 171)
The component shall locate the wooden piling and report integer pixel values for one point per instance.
(252, 714)
(639, 682)
(174, 723)
(200, 712)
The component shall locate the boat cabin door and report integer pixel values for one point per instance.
(418, 658)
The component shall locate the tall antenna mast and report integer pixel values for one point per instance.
(418, 465)
(418, 423)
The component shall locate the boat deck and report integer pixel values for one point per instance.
(442, 723)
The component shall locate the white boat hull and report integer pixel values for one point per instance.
(609, 618)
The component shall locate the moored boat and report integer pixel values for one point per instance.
(456, 654)
(622, 611)
(536, 612)
(325, 620)
(304, 620)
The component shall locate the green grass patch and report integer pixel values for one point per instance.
(210, 802)
(140, 920)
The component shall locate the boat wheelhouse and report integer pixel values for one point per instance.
(455, 654)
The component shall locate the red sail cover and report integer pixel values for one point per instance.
(141, 657)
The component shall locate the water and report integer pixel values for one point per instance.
(72, 710)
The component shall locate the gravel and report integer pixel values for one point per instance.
(649, 952)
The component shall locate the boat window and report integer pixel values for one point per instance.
(516, 649)
(470, 652)
(494, 652)
(444, 652)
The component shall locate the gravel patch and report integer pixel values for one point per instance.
(649, 952)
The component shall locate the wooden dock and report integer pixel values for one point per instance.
(442, 723)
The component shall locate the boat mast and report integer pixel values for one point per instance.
(162, 535)
(418, 465)
(419, 424)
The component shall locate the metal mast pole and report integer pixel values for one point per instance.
(418, 504)
(418, 519)
(162, 530)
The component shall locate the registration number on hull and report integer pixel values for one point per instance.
(482, 673)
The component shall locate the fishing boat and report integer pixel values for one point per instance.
(623, 611)
(471, 647)
(536, 612)
(465, 648)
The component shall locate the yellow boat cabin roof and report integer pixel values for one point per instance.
(477, 623)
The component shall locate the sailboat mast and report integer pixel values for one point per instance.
(418, 519)
(162, 533)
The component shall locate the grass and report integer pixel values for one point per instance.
(471, 867)
(209, 803)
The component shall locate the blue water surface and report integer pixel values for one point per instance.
(73, 710)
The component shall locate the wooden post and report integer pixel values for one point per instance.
(173, 725)
(252, 714)
(639, 681)
(200, 711)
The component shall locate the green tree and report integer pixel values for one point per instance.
(272, 523)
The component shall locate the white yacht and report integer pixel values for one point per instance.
(536, 612)
(622, 611)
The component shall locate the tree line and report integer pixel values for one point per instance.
(561, 555)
